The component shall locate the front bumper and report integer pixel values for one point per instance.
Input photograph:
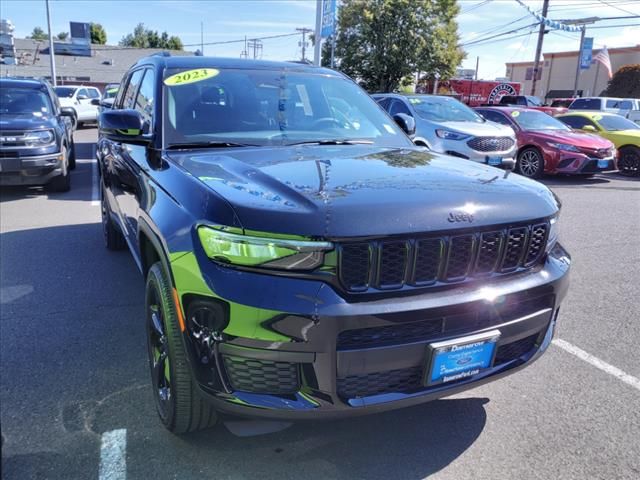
(460, 149)
(578, 163)
(298, 350)
(20, 169)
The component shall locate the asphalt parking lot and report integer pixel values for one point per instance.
(73, 367)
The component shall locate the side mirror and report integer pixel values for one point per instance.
(124, 126)
(406, 123)
(95, 101)
(67, 112)
(589, 128)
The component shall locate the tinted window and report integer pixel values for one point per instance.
(93, 93)
(561, 103)
(495, 117)
(536, 120)
(576, 122)
(616, 122)
(384, 102)
(443, 109)
(271, 107)
(65, 92)
(398, 106)
(535, 101)
(24, 101)
(144, 100)
(83, 92)
(585, 104)
(625, 104)
(132, 89)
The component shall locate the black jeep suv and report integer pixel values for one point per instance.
(303, 259)
(36, 135)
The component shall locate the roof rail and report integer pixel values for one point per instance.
(164, 53)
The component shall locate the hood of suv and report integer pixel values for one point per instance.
(350, 191)
(484, 129)
(26, 121)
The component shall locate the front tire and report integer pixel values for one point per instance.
(62, 183)
(179, 405)
(629, 161)
(72, 156)
(530, 163)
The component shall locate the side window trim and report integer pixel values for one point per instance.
(125, 91)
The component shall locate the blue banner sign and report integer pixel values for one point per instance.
(586, 53)
(328, 18)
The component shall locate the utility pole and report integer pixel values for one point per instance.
(545, 8)
(52, 55)
(202, 38)
(477, 66)
(256, 44)
(303, 44)
(245, 52)
(318, 34)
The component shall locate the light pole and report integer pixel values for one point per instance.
(583, 22)
(52, 55)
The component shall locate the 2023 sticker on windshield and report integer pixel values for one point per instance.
(190, 76)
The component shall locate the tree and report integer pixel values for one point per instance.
(380, 42)
(625, 83)
(38, 34)
(98, 34)
(62, 36)
(145, 38)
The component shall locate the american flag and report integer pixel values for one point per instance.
(603, 58)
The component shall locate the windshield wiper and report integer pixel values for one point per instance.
(337, 141)
(212, 144)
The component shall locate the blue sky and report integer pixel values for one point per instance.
(231, 20)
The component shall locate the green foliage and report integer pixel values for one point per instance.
(38, 34)
(62, 36)
(145, 38)
(98, 34)
(625, 82)
(380, 42)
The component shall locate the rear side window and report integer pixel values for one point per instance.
(576, 121)
(132, 89)
(93, 93)
(586, 104)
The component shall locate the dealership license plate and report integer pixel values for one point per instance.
(603, 163)
(494, 161)
(462, 357)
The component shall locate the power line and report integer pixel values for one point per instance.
(481, 40)
(617, 8)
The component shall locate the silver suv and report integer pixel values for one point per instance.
(445, 125)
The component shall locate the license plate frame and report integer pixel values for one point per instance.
(603, 163)
(476, 351)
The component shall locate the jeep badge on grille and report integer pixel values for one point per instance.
(460, 217)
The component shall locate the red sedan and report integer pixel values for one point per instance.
(546, 145)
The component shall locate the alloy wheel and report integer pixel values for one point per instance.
(159, 354)
(529, 163)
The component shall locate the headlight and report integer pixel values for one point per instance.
(257, 251)
(564, 147)
(38, 138)
(449, 135)
(554, 233)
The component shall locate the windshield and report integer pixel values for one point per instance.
(111, 91)
(616, 122)
(65, 92)
(443, 109)
(23, 100)
(271, 107)
(535, 120)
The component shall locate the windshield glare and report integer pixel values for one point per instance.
(443, 109)
(65, 92)
(616, 122)
(24, 100)
(535, 120)
(273, 107)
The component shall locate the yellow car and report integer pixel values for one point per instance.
(624, 134)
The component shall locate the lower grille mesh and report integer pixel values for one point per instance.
(380, 382)
(261, 376)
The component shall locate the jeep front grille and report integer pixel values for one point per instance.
(491, 144)
(417, 262)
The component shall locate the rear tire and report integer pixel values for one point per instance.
(113, 238)
(530, 163)
(629, 161)
(178, 402)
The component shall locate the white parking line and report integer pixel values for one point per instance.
(113, 455)
(95, 197)
(596, 362)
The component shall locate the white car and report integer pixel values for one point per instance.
(79, 98)
(445, 125)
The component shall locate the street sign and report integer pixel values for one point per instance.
(586, 53)
(328, 18)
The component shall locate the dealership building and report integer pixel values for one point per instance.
(557, 73)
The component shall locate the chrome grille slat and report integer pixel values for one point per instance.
(491, 144)
(420, 262)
